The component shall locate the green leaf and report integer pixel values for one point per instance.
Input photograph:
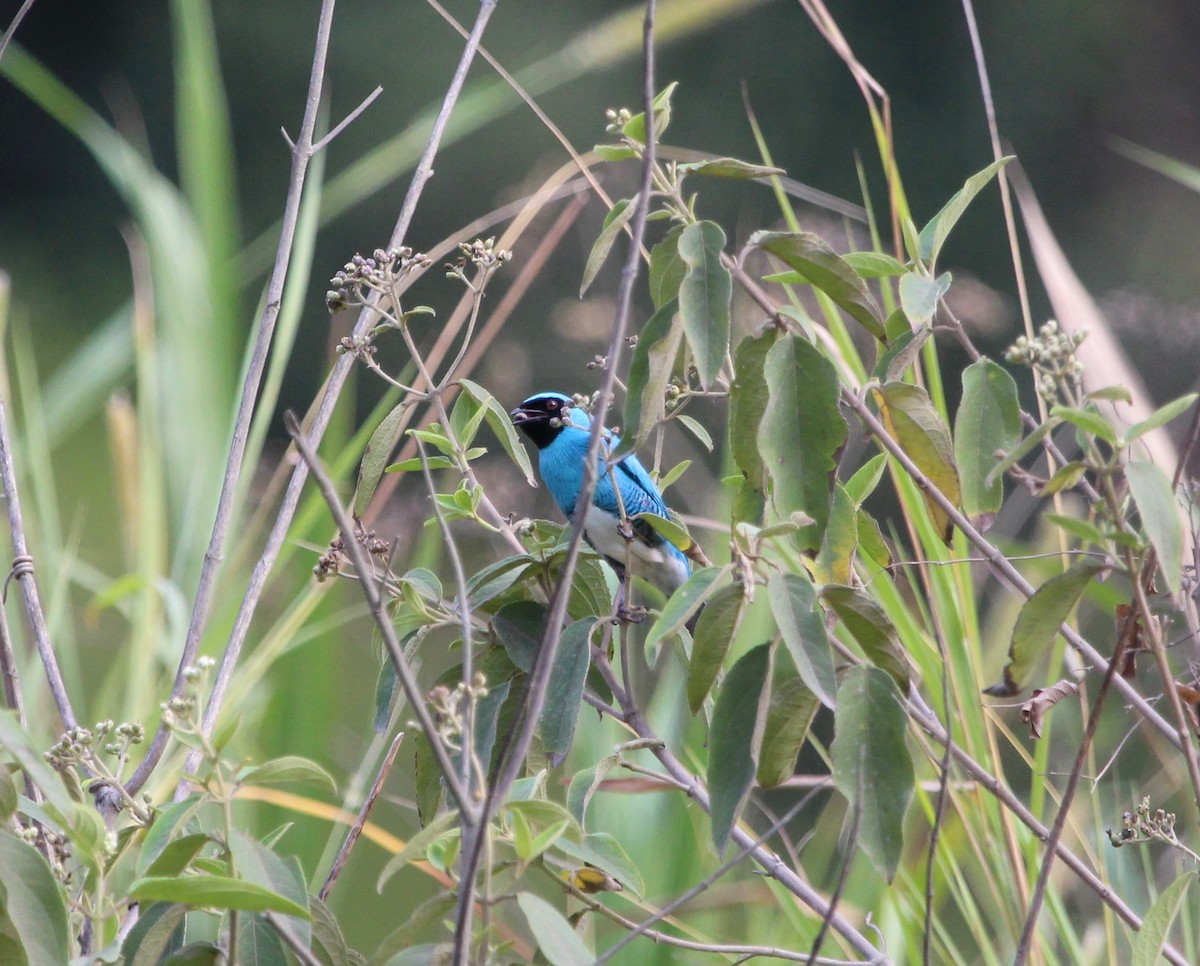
(649, 373)
(906, 345)
(556, 940)
(704, 297)
(466, 418)
(635, 127)
(616, 219)
(1111, 394)
(920, 294)
(696, 428)
(328, 943)
(415, 464)
(18, 744)
(870, 539)
(157, 933)
(988, 419)
(613, 152)
(789, 715)
(729, 168)
(834, 562)
(714, 633)
(1148, 943)
(675, 533)
(1155, 499)
(402, 937)
(801, 432)
(375, 457)
(258, 865)
(1160, 417)
(1038, 623)
(416, 846)
(748, 396)
(914, 422)
(862, 484)
(802, 624)
(666, 269)
(934, 234)
(735, 739)
(8, 794)
(872, 766)
(564, 693)
(494, 579)
(215, 891)
(1083, 529)
(871, 630)
(501, 425)
(825, 270)
(874, 264)
(681, 605)
(1021, 450)
(1089, 420)
(178, 855)
(584, 784)
(519, 629)
(1066, 477)
(176, 818)
(673, 474)
(33, 915)
(289, 768)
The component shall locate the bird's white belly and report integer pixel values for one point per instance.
(655, 564)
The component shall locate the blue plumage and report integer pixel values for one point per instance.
(560, 431)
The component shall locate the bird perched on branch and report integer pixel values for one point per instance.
(560, 430)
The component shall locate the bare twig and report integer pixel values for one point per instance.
(923, 715)
(1001, 566)
(22, 572)
(517, 746)
(360, 820)
(333, 387)
(643, 927)
(371, 590)
(12, 27)
(301, 154)
(347, 120)
(844, 873)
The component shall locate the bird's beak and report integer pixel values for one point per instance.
(520, 415)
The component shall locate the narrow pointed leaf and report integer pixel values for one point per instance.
(217, 892)
(934, 234)
(825, 270)
(988, 420)
(801, 432)
(747, 403)
(729, 168)
(789, 715)
(375, 458)
(614, 221)
(704, 297)
(916, 425)
(871, 630)
(1089, 420)
(649, 372)
(1038, 623)
(157, 933)
(666, 269)
(635, 127)
(802, 623)
(906, 345)
(290, 768)
(564, 693)
(556, 940)
(31, 900)
(1160, 417)
(872, 766)
(698, 588)
(735, 739)
(714, 633)
(501, 425)
(1155, 499)
(1148, 943)
(834, 562)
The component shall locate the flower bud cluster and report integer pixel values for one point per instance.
(1051, 355)
(361, 274)
(1142, 826)
(482, 253)
(617, 120)
(78, 745)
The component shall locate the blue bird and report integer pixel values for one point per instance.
(560, 431)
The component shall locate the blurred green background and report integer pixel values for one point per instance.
(1065, 79)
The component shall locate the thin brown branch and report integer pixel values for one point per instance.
(213, 556)
(371, 588)
(332, 392)
(517, 746)
(291, 940)
(360, 820)
(22, 572)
